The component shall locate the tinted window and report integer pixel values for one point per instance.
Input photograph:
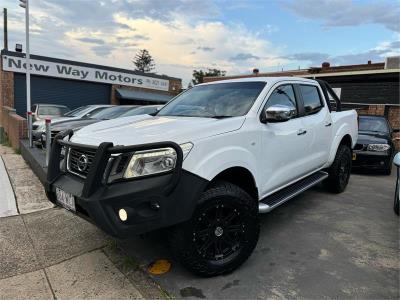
(311, 99)
(215, 100)
(111, 112)
(91, 112)
(75, 112)
(372, 124)
(283, 95)
(140, 111)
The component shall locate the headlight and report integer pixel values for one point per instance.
(378, 147)
(151, 162)
(41, 128)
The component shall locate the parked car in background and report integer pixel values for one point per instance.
(86, 111)
(42, 111)
(374, 149)
(104, 114)
(396, 205)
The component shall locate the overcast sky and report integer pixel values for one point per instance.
(232, 35)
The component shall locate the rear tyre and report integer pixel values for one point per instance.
(221, 234)
(339, 172)
(387, 171)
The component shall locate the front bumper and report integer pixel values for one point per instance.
(152, 202)
(372, 159)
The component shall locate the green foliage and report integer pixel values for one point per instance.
(198, 75)
(143, 61)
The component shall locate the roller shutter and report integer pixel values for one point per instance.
(71, 93)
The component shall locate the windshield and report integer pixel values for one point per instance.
(215, 100)
(111, 112)
(372, 124)
(77, 111)
(140, 111)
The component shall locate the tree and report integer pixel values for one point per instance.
(198, 75)
(143, 61)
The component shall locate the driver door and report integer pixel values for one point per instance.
(283, 144)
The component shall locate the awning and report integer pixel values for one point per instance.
(128, 94)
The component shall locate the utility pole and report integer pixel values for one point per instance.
(25, 4)
(5, 29)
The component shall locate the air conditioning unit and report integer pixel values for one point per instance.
(392, 62)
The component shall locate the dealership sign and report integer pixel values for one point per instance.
(54, 69)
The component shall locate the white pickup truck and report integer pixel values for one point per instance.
(206, 165)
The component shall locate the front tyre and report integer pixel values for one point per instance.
(221, 234)
(339, 172)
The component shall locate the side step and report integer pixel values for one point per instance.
(287, 193)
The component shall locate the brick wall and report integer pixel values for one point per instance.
(6, 89)
(17, 130)
(15, 126)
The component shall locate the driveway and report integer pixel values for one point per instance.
(318, 245)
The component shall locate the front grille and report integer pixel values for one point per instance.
(358, 147)
(76, 161)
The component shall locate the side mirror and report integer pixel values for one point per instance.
(396, 160)
(278, 113)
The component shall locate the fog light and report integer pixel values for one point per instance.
(123, 215)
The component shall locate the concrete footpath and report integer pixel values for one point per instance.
(49, 253)
(8, 206)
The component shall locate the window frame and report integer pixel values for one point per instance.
(321, 99)
(299, 107)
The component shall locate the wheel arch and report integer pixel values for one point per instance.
(344, 139)
(240, 176)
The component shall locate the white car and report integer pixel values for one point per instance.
(206, 165)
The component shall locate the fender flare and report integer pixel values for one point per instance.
(342, 132)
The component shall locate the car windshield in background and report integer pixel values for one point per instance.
(372, 124)
(140, 111)
(221, 100)
(52, 110)
(77, 111)
(111, 112)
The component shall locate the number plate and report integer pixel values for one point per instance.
(65, 199)
(354, 156)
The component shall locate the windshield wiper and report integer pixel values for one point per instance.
(221, 117)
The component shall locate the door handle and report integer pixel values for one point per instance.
(328, 124)
(301, 132)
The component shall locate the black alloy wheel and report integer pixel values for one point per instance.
(218, 233)
(221, 234)
(344, 170)
(339, 171)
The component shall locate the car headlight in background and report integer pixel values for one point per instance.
(378, 147)
(41, 128)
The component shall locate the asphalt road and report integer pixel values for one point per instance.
(318, 245)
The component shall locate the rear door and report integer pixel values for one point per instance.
(317, 124)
